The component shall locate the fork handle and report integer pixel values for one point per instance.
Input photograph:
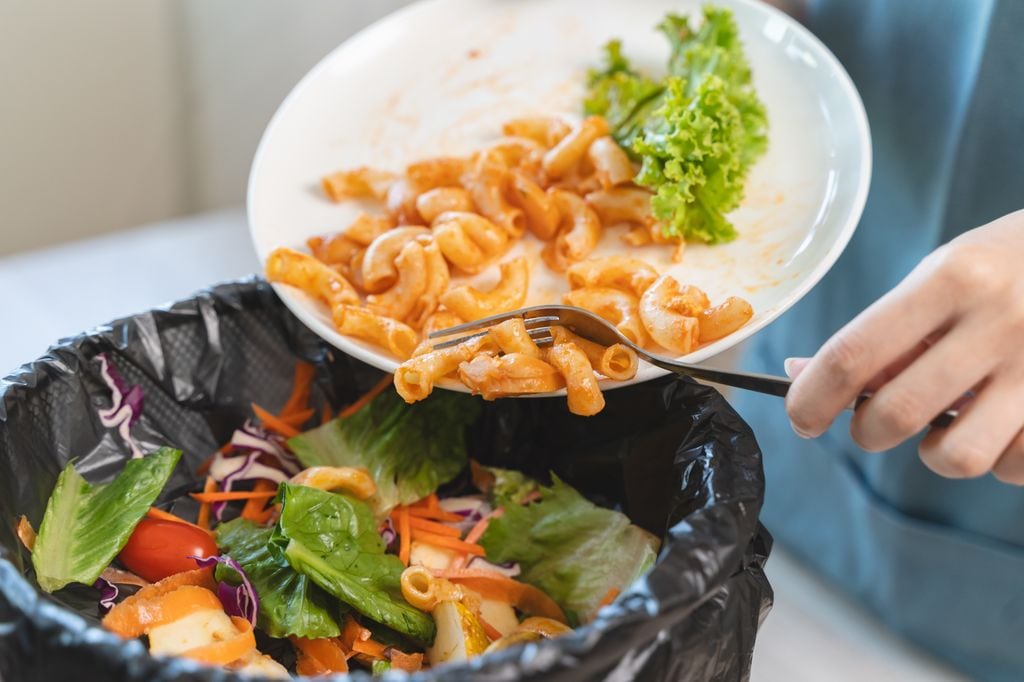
(765, 383)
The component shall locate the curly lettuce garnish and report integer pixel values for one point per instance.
(696, 133)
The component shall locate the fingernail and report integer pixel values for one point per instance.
(799, 432)
(793, 366)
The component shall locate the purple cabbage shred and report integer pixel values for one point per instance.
(240, 600)
(108, 593)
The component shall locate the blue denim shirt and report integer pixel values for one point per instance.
(940, 561)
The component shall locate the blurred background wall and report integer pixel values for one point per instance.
(115, 113)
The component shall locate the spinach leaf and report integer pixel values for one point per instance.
(290, 604)
(333, 540)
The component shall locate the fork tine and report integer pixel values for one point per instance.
(543, 337)
(540, 335)
(456, 341)
(496, 319)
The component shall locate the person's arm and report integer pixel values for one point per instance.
(954, 325)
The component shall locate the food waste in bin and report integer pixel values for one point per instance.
(500, 536)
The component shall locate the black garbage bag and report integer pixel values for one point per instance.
(669, 453)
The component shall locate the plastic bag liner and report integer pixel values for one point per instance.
(669, 453)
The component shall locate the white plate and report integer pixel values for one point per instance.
(440, 77)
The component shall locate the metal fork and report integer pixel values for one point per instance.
(539, 320)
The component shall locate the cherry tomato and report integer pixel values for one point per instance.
(158, 548)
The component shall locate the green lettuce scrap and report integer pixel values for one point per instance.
(85, 526)
(624, 96)
(290, 604)
(696, 133)
(503, 486)
(332, 539)
(409, 450)
(570, 548)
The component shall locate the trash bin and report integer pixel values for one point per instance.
(669, 453)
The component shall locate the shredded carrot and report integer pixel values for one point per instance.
(327, 414)
(609, 597)
(409, 663)
(369, 647)
(301, 385)
(493, 585)
(160, 514)
(200, 577)
(253, 509)
(222, 653)
(492, 632)
(126, 618)
(308, 666)
(477, 531)
(474, 535)
(348, 652)
(26, 533)
(121, 577)
(446, 541)
(404, 535)
(377, 389)
(203, 518)
(297, 419)
(435, 514)
(266, 515)
(433, 527)
(233, 495)
(431, 501)
(353, 632)
(274, 423)
(137, 615)
(327, 651)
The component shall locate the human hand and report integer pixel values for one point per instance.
(954, 325)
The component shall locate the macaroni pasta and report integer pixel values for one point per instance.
(386, 276)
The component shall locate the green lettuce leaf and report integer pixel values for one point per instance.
(290, 604)
(622, 95)
(85, 525)
(333, 540)
(570, 548)
(698, 136)
(409, 450)
(503, 486)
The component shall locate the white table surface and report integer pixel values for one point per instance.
(813, 633)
